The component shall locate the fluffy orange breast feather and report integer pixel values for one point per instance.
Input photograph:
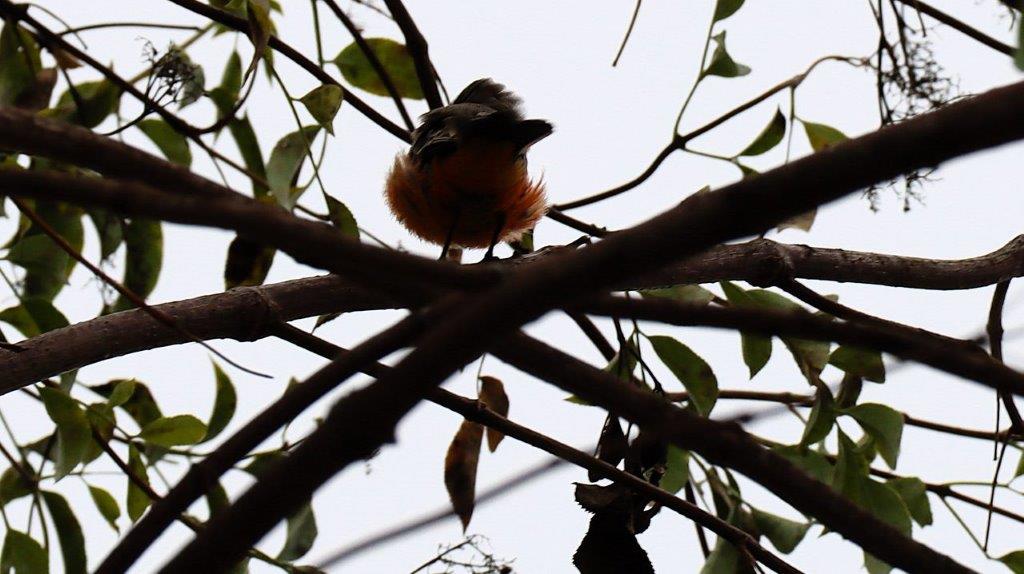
(466, 194)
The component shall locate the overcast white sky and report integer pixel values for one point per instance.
(609, 123)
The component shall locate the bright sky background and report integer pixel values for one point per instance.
(610, 122)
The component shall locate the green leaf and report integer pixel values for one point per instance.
(42, 259)
(123, 390)
(757, 349)
(217, 499)
(342, 217)
(722, 63)
(73, 433)
(144, 242)
(323, 103)
(783, 533)
(769, 137)
(174, 431)
(223, 404)
(859, 363)
(822, 136)
(691, 370)
(23, 554)
(883, 424)
(34, 316)
(19, 61)
(804, 221)
(1020, 466)
(822, 418)
(809, 461)
(726, 8)
(101, 420)
(285, 160)
(811, 356)
(677, 469)
(850, 471)
(137, 499)
(249, 147)
(691, 294)
(141, 405)
(396, 61)
(69, 532)
(99, 99)
(248, 263)
(915, 495)
(301, 534)
(172, 144)
(1014, 561)
(226, 94)
(107, 506)
(724, 559)
(882, 501)
(47, 265)
(108, 227)
(875, 566)
(13, 486)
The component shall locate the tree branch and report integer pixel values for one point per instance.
(417, 46)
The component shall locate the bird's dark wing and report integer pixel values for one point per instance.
(487, 92)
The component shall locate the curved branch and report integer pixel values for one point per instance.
(959, 26)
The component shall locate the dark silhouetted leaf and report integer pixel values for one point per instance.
(460, 466)
(726, 8)
(492, 394)
(859, 362)
(323, 104)
(172, 144)
(395, 59)
(144, 243)
(757, 349)
(610, 548)
(137, 499)
(611, 446)
(108, 227)
(769, 137)
(722, 63)
(174, 431)
(301, 534)
(69, 532)
(23, 554)
(19, 61)
(248, 263)
(691, 370)
(1014, 560)
(13, 486)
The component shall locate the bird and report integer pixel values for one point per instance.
(463, 181)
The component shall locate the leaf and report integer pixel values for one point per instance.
(285, 160)
(13, 486)
(859, 363)
(610, 547)
(851, 470)
(174, 431)
(804, 221)
(875, 566)
(882, 501)
(73, 433)
(756, 349)
(1014, 561)
(492, 394)
(1018, 55)
(34, 316)
(123, 390)
(101, 422)
(823, 416)
(691, 370)
(217, 499)
(224, 403)
(248, 263)
(1020, 466)
(769, 137)
(783, 533)
(822, 136)
(342, 217)
(172, 144)
(883, 424)
(19, 60)
(915, 495)
(141, 405)
(691, 294)
(47, 265)
(811, 356)
(323, 103)
(108, 227)
(722, 63)
(137, 499)
(261, 27)
(23, 554)
(612, 446)
(394, 58)
(301, 534)
(107, 506)
(69, 532)
(144, 243)
(809, 461)
(726, 8)
(226, 94)
(99, 99)
(460, 464)
(724, 559)
(677, 469)
(249, 147)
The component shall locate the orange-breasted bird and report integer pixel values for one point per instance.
(464, 180)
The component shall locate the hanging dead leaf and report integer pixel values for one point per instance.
(610, 548)
(492, 394)
(611, 447)
(460, 469)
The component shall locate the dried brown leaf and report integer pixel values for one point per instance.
(492, 395)
(460, 466)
